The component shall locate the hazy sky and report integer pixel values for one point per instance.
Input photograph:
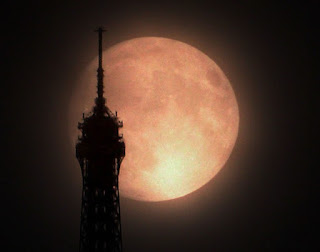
(261, 199)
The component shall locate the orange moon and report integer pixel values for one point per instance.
(179, 110)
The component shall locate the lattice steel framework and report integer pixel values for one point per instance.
(100, 150)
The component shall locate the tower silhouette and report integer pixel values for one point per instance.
(100, 150)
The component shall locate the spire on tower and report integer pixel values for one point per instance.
(100, 100)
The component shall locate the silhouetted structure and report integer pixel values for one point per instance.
(100, 151)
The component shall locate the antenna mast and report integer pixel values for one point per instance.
(100, 100)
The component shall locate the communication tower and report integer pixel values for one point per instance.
(100, 150)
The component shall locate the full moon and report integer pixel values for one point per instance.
(179, 110)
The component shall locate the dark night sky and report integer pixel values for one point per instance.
(262, 200)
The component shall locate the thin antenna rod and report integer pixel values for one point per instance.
(100, 69)
(100, 30)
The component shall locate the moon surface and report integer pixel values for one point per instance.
(179, 110)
